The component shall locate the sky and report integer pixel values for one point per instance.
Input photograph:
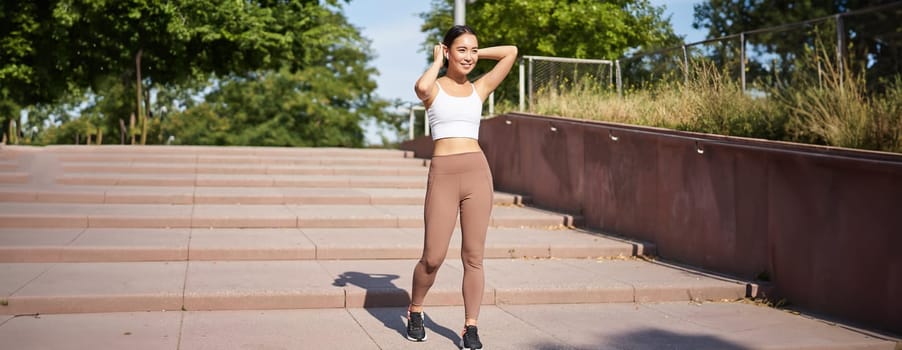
(393, 27)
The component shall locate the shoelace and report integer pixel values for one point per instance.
(416, 320)
(471, 336)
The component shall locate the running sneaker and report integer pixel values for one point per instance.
(415, 329)
(470, 339)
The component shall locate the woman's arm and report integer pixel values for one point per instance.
(506, 56)
(425, 86)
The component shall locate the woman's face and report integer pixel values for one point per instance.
(463, 53)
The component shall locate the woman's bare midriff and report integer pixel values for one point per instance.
(455, 145)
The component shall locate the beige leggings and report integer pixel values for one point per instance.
(456, 182)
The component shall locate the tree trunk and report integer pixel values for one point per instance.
(122, 131)
(138, 101)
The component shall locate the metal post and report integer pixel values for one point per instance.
(610, 75)
(742, 58)
(138, 94)
(426, 122)
(685, 65)
(412, 121)
(619, 81)
(575, 72)
(840, 46)
(529, 85)
(460, 12)
(522, 86)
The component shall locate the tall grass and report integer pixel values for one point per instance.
(835, 109)
(589, 101)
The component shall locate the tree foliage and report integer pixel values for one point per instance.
(318, 104)
(296, 49)
(275, 108)
(872, 40)
(48, 45)
(572, 28)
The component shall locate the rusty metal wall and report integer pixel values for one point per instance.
(825, 225)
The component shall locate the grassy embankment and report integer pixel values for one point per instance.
(831, 108)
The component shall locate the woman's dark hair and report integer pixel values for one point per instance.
(455, 32)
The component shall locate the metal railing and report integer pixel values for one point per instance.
(646, 68)
(842, 25)
(641, 68)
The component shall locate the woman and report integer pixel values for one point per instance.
(459, 176)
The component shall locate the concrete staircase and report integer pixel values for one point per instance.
(212, 247)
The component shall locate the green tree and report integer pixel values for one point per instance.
(54, 47)
(83, 41)
(318, 104)
(572, 28)
(277, 108)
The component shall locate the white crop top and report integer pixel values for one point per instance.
(451, 116)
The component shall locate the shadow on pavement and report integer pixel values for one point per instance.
(653, 339)
(388, 303)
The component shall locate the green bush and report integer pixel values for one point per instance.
(79, 128)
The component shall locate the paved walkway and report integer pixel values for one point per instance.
(234, 248)
(714, 326)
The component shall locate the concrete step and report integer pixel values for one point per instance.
(243, 180)
(112, 194)
(48, 288)
(202, 151)
(239, 168)
(8, 165)
(710, 326)
(120, 245)
(14, 177)
(159, 228)
(212, 159)
(356, 159)
(68, 215)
